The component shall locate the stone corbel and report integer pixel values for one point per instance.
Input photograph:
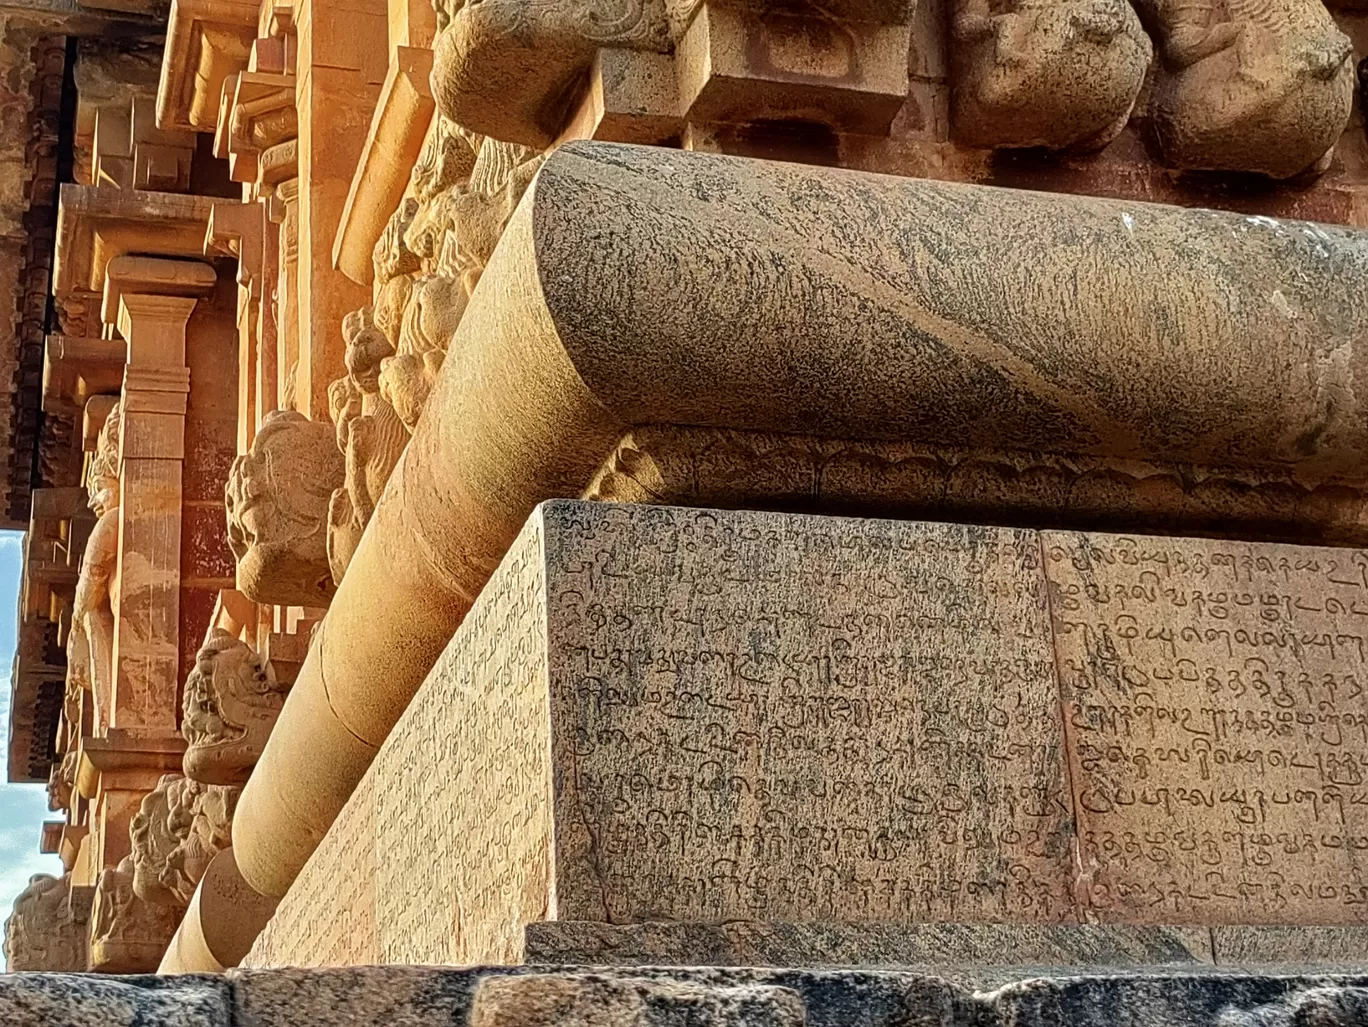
(259, 135)
(513, 69)
(131, 152)
(206, 41)
(75, 369)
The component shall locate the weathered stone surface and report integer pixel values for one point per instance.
(553, 1000)
(49, 927)
(760, 943)
(1250, 89)
(1308, 946)
(957, 344)
(181, 826)
(231, 701)
(277, 500)
(1055, 75)
(575, 997)
(87, 1000)
(1214, 703)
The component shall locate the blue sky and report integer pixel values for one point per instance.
(23, 808)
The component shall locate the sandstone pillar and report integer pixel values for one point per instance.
(340, 68)
(156, 387)
(285, 214)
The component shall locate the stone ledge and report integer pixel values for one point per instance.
(430, 997)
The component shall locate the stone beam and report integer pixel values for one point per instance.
(72, 18)
(873, 308)
(398, 128)
(95, 225)
(206, 41)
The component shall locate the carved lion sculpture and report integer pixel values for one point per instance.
(44, 932)
(181, 826)
(1051, 73)
(277, 504)
(231, 703)
(1248, 85)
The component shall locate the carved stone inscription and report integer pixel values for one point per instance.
(1217, 725)
(801, 718)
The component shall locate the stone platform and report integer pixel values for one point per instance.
(660, 714)
(701, 997)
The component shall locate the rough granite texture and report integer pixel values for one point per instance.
(662, 714)
(770, 943)
(702, 997)
(639, 286)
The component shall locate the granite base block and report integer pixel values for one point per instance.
(645, 997)
(763, 943)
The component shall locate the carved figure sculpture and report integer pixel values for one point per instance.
(466, 187)
(277, 499)
(231, 703)
(1248, 85)
(92, 615)
(370, 435)
(181, 825)
(1051, 73)
(127, 934)
(45, 931)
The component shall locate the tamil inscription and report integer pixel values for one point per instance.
(773, 716)
(1217, 727)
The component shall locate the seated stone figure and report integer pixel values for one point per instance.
(231, 702)
(1248, 85)
(1050, 73)
(45, 931)
(127, 935)
(277, 499)
(181, 826)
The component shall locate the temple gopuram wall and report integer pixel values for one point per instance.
(699, 484)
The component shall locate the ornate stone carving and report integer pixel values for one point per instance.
(47, 930)
(181, 825)
(62, 781)
(705, 467)
(1248, 85)
(496, 62)
(277, 499)
(1051, 73)
(90, 646)
(370, 435)
(465, 189)
(127, 934)
(231, 702)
